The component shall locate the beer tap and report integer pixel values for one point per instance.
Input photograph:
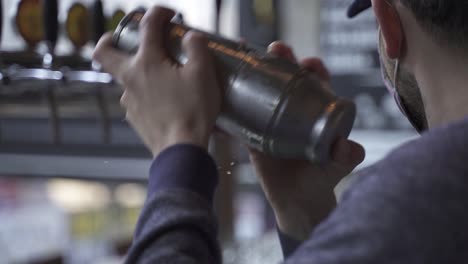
(76, 66)
(115, 19)
(2, 79)
(51, 26)
(1, 19)
(99, 20)
(218, 5)
(28, 24)
(29, 75)
(2, 76)
(86, 72)
(83, 78)
(28, 68)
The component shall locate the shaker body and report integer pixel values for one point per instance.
(269, 103)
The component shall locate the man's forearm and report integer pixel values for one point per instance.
(177, 222)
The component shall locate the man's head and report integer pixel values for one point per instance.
(446, 20)
(443, 21)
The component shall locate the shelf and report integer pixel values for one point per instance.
(77, 167)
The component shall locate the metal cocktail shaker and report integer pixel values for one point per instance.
(271, 104)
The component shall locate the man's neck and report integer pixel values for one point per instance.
(444, 87)
(441, 73)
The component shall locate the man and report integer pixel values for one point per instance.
(412, 207)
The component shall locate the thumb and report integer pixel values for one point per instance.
(195, 46)
(348, 153)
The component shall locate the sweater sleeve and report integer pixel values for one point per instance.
(177, 224)
(288, 244)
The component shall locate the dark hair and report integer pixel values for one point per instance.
(447, 20)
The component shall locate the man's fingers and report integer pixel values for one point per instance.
(316, 65)
(111, 59)
(195, 46)
(153, 29)
(348, 153)
(282, 50)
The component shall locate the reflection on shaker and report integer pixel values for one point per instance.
(273, 105)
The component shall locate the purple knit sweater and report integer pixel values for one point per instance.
(411, 207)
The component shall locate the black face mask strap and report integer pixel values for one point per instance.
(420, 124)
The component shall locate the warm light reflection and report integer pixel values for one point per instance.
(130, 195)
(78, 196)
(264, 11)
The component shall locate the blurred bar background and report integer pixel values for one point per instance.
(73, 174)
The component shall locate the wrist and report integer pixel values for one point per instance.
(167, 173)
(299, 223)
(180, 136)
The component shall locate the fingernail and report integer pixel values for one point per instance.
(272, 45)
(191, 38)
(189, 34)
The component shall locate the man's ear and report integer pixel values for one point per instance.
(390, 24)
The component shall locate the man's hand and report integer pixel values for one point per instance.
(166, 103)
(301, 193)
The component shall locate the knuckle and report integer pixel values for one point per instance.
(147, 66)
(149, 15)
(151, 58)
(194, 38)
(154, 15)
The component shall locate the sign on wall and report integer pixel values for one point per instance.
(347, 45)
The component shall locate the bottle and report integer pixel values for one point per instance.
(271, 104)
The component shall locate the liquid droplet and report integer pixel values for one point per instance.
(228, 172)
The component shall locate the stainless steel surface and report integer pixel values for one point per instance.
(271, 104)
